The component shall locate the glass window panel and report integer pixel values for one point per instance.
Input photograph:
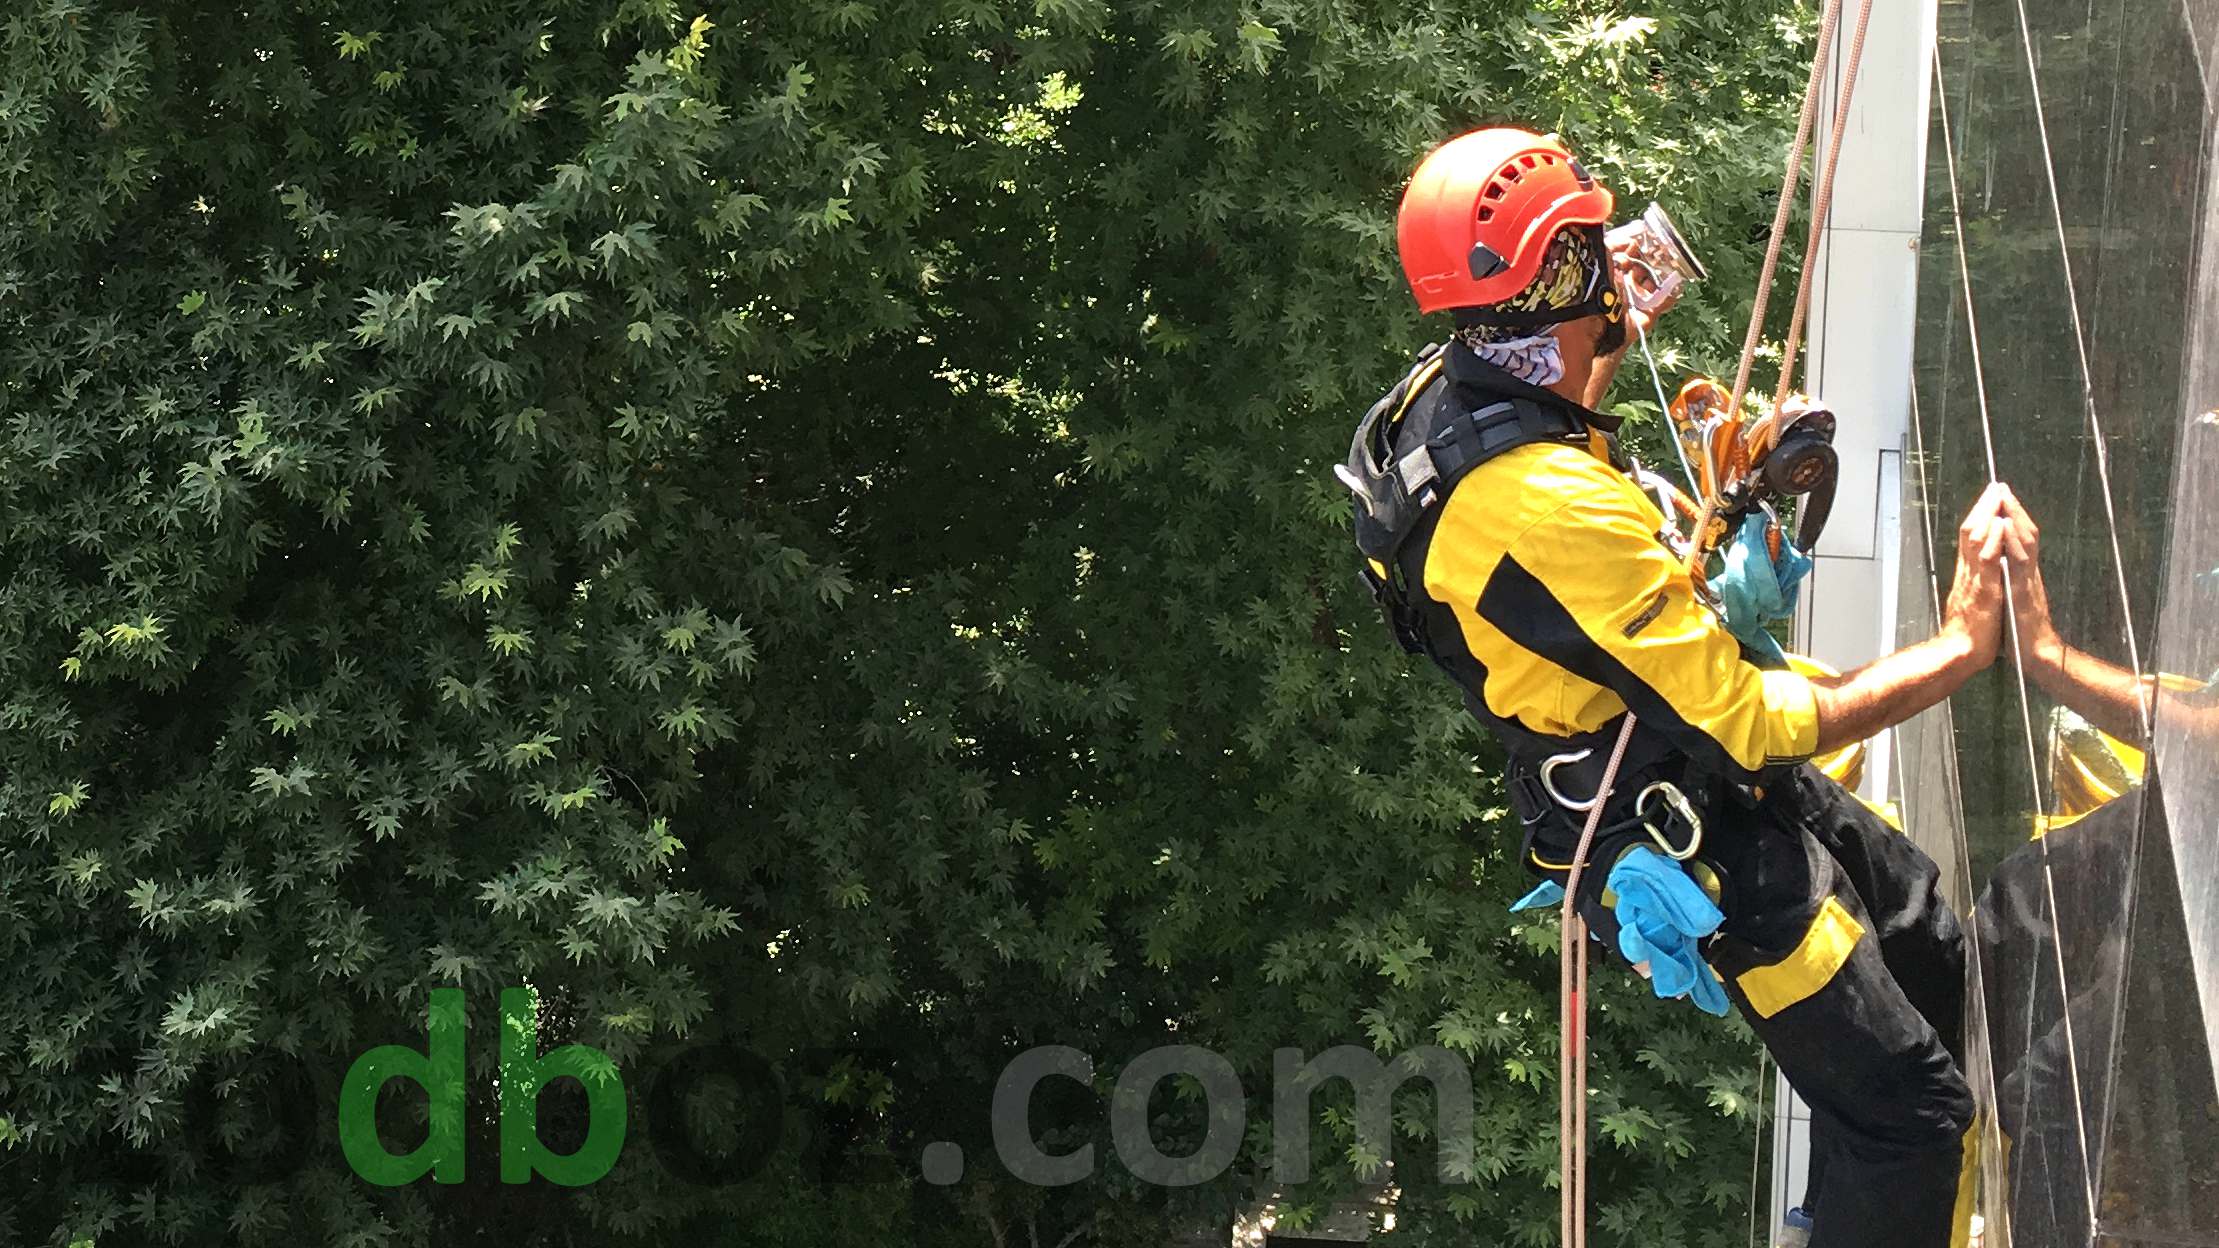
(2073, 138)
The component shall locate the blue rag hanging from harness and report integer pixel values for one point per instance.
(1663, 917)
(1758, 590)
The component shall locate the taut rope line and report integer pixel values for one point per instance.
(2011, 622)
(1572, 996)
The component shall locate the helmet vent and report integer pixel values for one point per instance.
(1494, 190)
(1527, 161)
(1486, 213)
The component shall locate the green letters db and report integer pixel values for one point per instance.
(439, 1071)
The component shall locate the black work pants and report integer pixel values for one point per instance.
(1849, 965)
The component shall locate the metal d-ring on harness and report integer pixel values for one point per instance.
(1672, 797)
(1548, 781)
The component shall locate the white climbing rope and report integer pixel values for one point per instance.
(2018, 654)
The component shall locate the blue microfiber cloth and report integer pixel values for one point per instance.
(1757, 591)
(1662, 913)
(1549, 893)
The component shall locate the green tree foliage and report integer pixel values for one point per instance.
(792, 526)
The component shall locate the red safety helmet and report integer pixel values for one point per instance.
(1481, 210)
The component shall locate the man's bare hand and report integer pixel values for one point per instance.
(2113, 698)
(1894, 687)
(1645, 298)
(1974, 614)
(2038, 640)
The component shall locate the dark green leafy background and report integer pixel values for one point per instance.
(802, 526)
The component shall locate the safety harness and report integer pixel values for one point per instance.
(1410, 451)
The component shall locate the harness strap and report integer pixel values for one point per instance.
(1408, 454)
(1396, 479)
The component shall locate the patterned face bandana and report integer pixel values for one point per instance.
(1568, 277)
(1534, 359)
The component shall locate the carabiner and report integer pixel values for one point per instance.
(1676, 802)
(1548, 781)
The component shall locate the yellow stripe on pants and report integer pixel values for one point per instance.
(1825, 946)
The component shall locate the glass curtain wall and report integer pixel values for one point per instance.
(2068, 344)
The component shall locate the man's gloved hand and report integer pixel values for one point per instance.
(1757, 590)
(1662, 913)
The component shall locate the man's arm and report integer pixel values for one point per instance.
(1632, 278)
(2110, 697)
(1591, 591)
(1893, 688)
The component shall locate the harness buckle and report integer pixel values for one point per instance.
(1529, 799)
(1680, 810)
(1417, 473)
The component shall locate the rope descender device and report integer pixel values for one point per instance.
(1746, 466)
(1789, 453)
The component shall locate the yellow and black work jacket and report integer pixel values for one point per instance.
(1506, 539)
(1551, 596)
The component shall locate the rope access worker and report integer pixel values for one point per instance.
(1508, 541)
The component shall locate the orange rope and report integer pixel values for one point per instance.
(1571, 1119)
(1572, 947)
(1788, 182)
(1822, 198)
(1699, 544)
(1822, 201)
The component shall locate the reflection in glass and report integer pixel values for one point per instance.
(2064, 317)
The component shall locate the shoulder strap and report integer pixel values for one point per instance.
(1409, 451)
(1416, 443)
